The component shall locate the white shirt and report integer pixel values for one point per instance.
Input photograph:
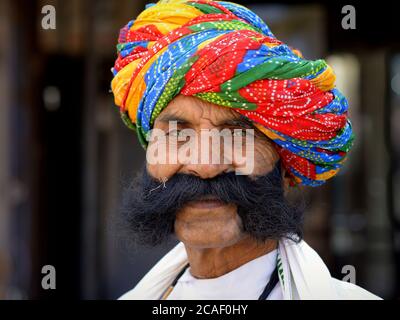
(244, 283)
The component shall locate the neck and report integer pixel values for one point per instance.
(206, 263)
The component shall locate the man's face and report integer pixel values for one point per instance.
(207, 221)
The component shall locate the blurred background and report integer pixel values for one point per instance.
(65, 153)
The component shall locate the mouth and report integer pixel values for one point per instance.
(206, 202)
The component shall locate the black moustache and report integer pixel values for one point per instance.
(150, 205)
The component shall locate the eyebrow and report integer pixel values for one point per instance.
(171, 117)
(241, 122)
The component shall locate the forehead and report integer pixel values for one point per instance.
(194, 110)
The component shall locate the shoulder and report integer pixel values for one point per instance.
(350, 291)
(156, 281)
(130, 295)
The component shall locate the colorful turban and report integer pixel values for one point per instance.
(225, 54)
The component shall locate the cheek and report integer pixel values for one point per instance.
(265, 158)
(258, 159)
(158, 162)
(161, 171)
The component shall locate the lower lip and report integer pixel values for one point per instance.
(206, 204)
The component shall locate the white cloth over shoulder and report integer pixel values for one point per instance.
(303, 276)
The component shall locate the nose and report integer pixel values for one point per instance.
(205, 171)
(211, 160)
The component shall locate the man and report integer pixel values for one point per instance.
(189, 67)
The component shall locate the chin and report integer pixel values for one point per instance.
(216, 227)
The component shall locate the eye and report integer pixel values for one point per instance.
(176, 133)
(239, 133)
(173, 133)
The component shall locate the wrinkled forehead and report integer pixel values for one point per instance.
(194, 111)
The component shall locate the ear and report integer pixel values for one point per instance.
(285, 178)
